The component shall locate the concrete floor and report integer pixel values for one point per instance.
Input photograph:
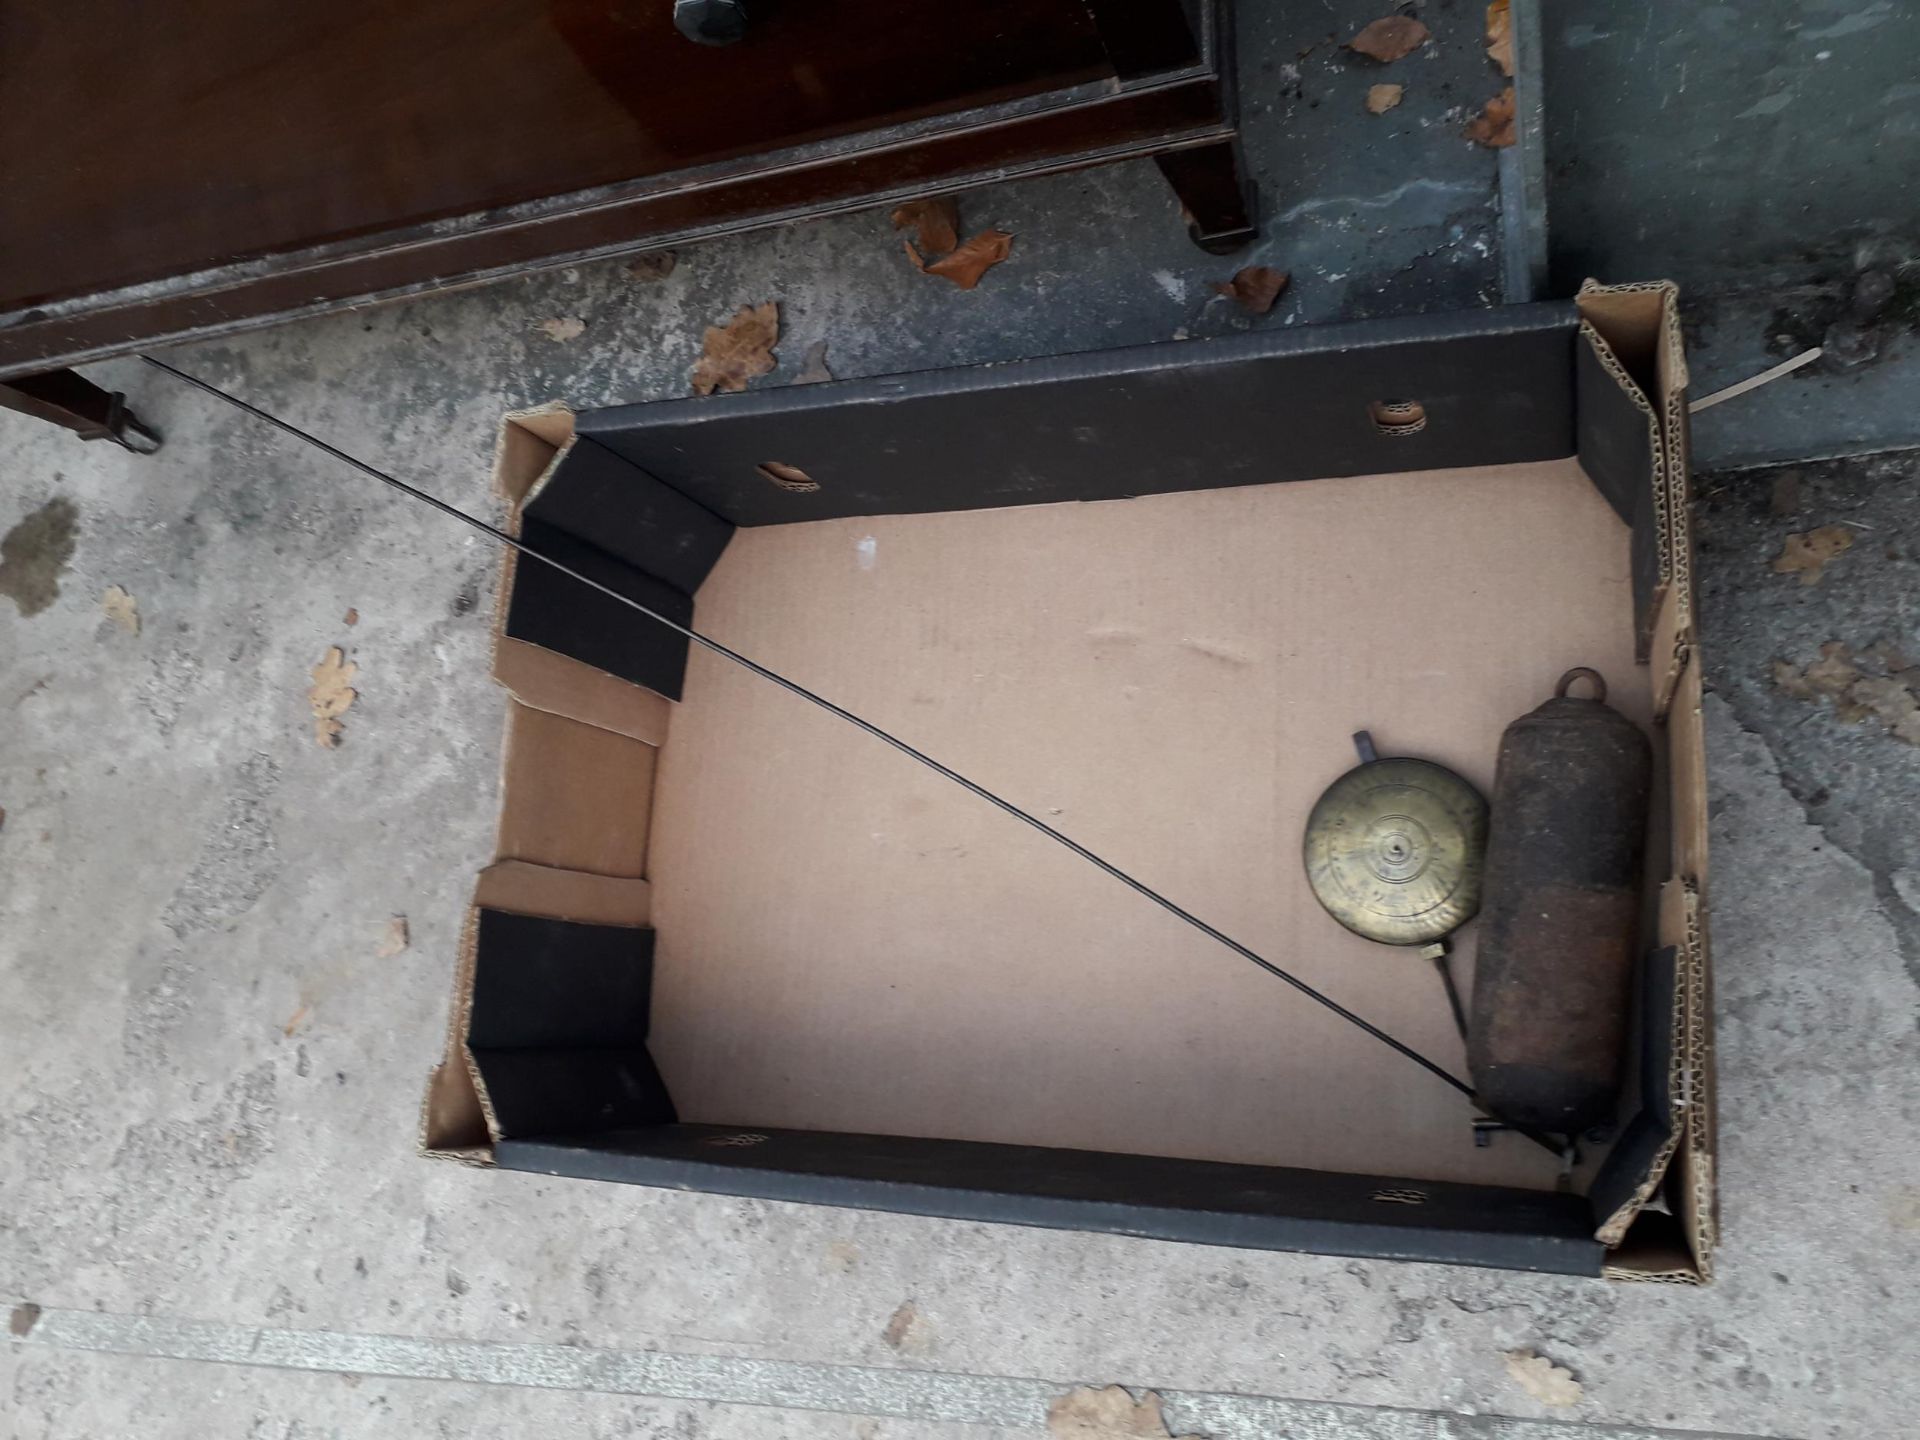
(209, 1079)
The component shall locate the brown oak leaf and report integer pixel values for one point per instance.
(1888, 699)
(1790, 679)
(1388, 39)
(1545, 1381)
(935, 222)
(331, 695)
(1382, 98)
(121, 608)
(732, 354)
(1834, 671)
(1256, 287)
(1807, 554)
(1493, 126)
(1500, 35)
(1895, 660)
(563, 328)
(652, 267)
(1832, 674)
(1108, 1414)
(907, 1331)
(970, 261)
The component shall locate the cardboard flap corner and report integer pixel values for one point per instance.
(455, 1120)
(557, 1022)
(530, 443)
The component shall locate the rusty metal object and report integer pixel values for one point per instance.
(1560, 913)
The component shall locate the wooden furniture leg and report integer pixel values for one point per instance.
(64, 398)
(1142, 37)
(1211, 183)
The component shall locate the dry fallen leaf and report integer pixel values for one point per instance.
(936, 223)
(1834, 672)
(1389, 39)
(907, 1332)
(393, 939)
(1806, 555)
(967, 264)
(22, 1320)
(1382, 98)
(1256, 287)
(1542, 1379)
(654, 266)
(562, 328)
(1493, 126)
(293, 1020)
(1893, 699)
(331, 695)
(1889, 655)
(1895, 660)
(813, 368)
(121, 609)
(1903, 1207)
(1500, 35)
(352, 617)
(1789, 679)
(1109, 1414)
(732, 354)
(1889, 701)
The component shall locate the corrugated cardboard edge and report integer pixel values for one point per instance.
(456, 1119)
(1603, 351)
(530, 448)
(456, 1122)
(1660, 1255)
(1636, 329)
(1673, 931)
(530, 445)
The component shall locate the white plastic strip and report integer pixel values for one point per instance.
(1754, 382)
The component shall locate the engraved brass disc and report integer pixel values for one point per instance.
(1395, 850)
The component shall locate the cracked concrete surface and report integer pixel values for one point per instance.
(1856, 781)
(209, 1080)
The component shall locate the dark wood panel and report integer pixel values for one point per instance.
(981, 148)
(144, 141)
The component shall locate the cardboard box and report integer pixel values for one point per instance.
(731, 943)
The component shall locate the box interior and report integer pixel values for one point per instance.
(847, 941)
(827, 937)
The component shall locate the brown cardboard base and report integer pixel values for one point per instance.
(848, 942)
